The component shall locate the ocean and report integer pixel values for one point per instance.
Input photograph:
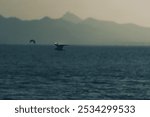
(38, 72)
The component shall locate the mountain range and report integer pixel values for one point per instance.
(71, 29)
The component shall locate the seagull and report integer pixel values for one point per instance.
(59, 47)
(32, 41)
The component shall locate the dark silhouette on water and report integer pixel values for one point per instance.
(32, 41)
(59, 47)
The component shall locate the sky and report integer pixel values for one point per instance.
(121, 11)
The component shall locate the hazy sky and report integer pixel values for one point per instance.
(122, 11)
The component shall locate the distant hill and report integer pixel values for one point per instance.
(71, 29)
(71, 18)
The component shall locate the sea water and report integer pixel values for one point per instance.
(78, 72)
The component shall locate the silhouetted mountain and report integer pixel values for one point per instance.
(71, 30)
(71, 18)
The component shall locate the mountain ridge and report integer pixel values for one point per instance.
(68, 29)
(71, 18)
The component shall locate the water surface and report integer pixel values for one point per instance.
(78, 72)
